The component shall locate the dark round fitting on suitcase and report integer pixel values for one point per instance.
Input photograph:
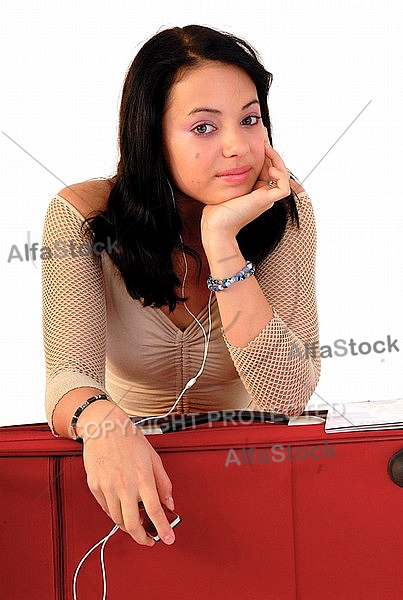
(395, 468)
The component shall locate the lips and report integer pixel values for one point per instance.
(235, 176)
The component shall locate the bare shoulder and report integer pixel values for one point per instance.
(89, 196)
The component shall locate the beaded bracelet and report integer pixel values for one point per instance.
(217, 285)
(78, 412)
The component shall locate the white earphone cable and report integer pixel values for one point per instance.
(84, 558)
(188, 385)
(207, 337)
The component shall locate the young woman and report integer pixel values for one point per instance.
(201, 227)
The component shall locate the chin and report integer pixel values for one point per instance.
(241, 190)
(236, 191)
(221, 195)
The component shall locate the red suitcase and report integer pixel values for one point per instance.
(323, 523)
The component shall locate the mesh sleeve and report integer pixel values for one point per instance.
(73, 306)
(280, 367)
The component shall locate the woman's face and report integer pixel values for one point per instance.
(212, 133)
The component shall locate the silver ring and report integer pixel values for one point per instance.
(272, 183)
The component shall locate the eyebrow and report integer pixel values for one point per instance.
(215, 111)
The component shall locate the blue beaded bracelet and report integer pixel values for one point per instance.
(217, 285)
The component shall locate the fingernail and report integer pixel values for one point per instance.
(169, 502)
(169, 539)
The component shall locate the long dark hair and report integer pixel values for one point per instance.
(140, 216)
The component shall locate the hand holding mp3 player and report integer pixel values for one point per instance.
(173, 520)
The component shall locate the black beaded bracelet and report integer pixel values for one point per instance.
(217, 285)
(78, 412)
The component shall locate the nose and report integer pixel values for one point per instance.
(234, 143)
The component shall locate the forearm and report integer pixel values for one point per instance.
(280, 367)
(122, 467)
(243, 307)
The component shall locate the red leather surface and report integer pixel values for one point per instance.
(318, 528)
(28, 546)
(349, 524)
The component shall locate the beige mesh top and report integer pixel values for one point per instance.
(96, 335)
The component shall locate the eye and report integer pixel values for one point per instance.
(203, 128)
(251, 120)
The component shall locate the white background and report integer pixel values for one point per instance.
(64, 65)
